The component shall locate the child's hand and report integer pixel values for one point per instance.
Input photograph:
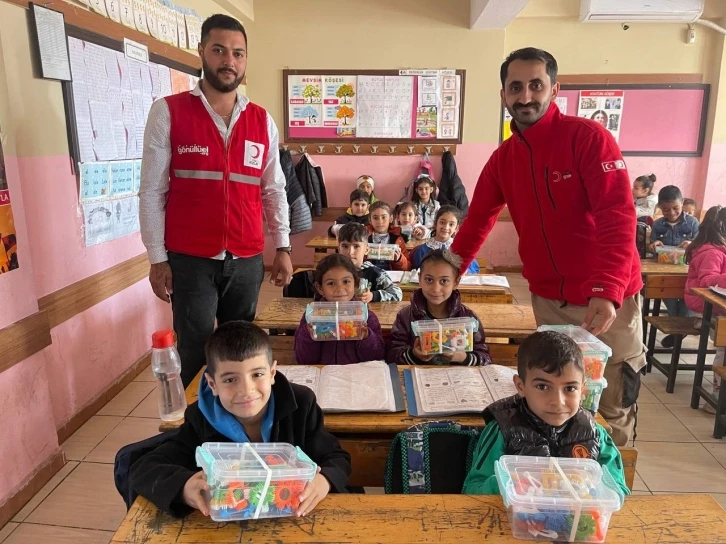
(418, 232)
(685, 244)
(364, 331)
(311, 332)
(314, 492)
(455, 356)
(366, 297)
(655, 245)
(196, 491)
(418, 353)
(397, 254)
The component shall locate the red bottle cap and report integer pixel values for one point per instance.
(162, 339)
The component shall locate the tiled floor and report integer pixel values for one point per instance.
(80, 504)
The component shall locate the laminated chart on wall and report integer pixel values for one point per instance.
(385, 106)
(112, 97)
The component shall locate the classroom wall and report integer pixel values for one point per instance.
(428, 34)
(90, 351)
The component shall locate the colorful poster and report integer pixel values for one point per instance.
(305, 101)
(426, 125)
(604, 107)
(8, 240)
(339, 103)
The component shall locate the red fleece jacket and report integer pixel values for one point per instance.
(568, 192)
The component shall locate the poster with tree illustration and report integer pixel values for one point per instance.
(339, 103)
(305, 100)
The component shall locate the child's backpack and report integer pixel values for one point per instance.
(127, 456)
(642, 238)
(431, 457)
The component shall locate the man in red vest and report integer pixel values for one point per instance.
(210, 175)
(565, 183)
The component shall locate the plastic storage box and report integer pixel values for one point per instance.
(446, 335)
(594, 352)
(670, 255)
(557, 499)
(591, 393)
(252, 481)
(407, 230)
(382, 252)
(337, 320)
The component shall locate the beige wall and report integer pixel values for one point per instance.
(376, 34)
(433, 34)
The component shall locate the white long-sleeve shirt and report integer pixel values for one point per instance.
(155, 177)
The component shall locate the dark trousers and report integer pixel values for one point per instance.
(205, 289)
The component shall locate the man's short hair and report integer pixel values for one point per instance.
(221, 22)
(530, 53)
(551, 351)
(236, 341)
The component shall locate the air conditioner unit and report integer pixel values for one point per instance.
(641, 11)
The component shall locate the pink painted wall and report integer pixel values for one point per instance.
(27, 434)
(91, 350)
(715, 186)
(393, 173)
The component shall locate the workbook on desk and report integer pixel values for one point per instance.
(719, 290)
(362, 387)
(467, 279)
(434, 392)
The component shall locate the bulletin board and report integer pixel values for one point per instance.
(657, 120)
(373, 106)
(107, 104)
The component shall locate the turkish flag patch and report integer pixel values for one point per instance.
(610, 166)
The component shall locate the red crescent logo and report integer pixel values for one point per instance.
(257, 151)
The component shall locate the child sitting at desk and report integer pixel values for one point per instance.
(706, 258)
(375, 285)
(407, 221)
(382, 231)
(645, 200)
(424, 198)
(357, 213)
(336, 278)
(448, 220)
(545, 418)
(677, 229)
(242, 398)
(437, 298)
(689, 206)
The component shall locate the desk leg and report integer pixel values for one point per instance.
(653, 331)
(701, 358)
(646, 312)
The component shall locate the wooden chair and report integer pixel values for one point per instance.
(657, 288)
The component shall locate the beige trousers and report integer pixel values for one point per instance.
(625, 337)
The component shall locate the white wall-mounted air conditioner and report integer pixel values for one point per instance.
(640, 11)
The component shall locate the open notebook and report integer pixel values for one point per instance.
(363, 387)
(719, 290)
(467, 279)
(434, 392)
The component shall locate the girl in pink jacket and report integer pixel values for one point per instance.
(706, 258)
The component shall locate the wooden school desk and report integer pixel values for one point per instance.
(321, 245)
(710, 300)
(652, 271)
(401, 519)
(499, 320)
(367, 436)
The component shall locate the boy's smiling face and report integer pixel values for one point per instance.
(554, 399)
(244, 387)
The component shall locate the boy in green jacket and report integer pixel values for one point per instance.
(545, 418)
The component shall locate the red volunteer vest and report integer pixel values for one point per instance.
(215, 200)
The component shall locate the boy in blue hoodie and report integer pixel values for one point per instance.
(242, 398)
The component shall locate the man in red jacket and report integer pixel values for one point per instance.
(210, 174)
(565, 183)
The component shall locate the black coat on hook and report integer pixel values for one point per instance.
(451, 188)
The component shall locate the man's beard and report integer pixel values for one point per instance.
(213, 79)
(528, 120)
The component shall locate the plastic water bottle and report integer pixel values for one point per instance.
(166, 366)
